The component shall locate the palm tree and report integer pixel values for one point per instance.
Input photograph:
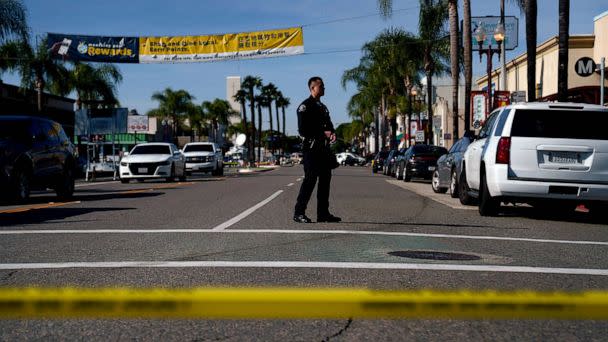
(454, 52)
(39, 70)
(283, 102)
(366, 85)
(529, 7)
(174, 105)
(433, 45)
(260, 102)
(562, 69)
(13, 20)
(217, 113)
(92, 84)
(241, 97)
(468, 62)
(433, 14)
(277, 96)
(250, 83)
(269, 92)
(9, 57)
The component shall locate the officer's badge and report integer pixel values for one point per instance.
(302, 108)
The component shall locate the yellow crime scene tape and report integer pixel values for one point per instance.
(297, 303)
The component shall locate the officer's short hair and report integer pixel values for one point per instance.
(314, 79)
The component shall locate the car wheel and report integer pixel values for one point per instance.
(488, 205)
(221, 170)
(435, 184)
(21, 185)
(65, 185)
(182, 178)
(463, 189)
(453, 184)
(406, 175)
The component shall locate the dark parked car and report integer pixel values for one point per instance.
(378, 161)
(35, 153)
(388, 162)
(419, 161)
(449, 166)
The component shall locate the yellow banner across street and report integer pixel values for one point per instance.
(259, 44)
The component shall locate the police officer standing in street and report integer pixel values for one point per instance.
(317, 132)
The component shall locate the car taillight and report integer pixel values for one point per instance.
(503, 152)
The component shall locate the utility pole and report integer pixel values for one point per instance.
(503, 57)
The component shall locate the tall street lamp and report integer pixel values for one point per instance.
(412, 94)
(499, 37)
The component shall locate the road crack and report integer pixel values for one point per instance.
(8, 275)
(348, 323)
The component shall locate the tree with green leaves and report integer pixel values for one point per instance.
(13, 22)
(217, 112)
(250, 84)
(241, 97)
(454, 65)
(39, 71)
(260, 102)
(434, 44)
(93, 84)
(435, 47)
(529, 7)
(283, 102)
(9, 57)
(390, 66)
(269, 92)
(174, 106)
(468, 61)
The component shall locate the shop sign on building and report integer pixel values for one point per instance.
(584, 67)
(478, 108)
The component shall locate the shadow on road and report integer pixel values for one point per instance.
(100, 196)
(39, 215)
(50, 214)
(427, 224)
(556, 215)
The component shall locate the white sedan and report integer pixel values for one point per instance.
(345, 158)
(153, 161)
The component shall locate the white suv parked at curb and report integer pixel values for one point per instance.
(550, 155)
(205, 157)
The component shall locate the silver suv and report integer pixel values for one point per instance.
(550, 155)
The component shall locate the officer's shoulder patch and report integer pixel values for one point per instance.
(302, 108)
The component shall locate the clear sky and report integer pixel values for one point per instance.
(330, 48)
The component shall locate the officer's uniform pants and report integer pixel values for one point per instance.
(315, 167)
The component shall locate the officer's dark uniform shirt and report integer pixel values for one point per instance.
(313, 121)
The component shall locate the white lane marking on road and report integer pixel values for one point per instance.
(290, 184)
(425, 190)
(308, 264)
(246, 212)
(91, 184)
(281, 231)
(299, 179)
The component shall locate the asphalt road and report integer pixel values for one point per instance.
(159, 234)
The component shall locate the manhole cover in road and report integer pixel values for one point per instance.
(432, 255)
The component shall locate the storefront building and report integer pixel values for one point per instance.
(581, 88)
